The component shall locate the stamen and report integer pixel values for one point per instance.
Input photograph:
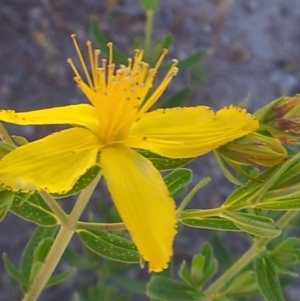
(96, 64)
(91, 57)
(129, 63)
(110, 56)
(162, 56)
(70, 62)
(73, 36)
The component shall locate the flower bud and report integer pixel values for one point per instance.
(254, 148)
(281, 118)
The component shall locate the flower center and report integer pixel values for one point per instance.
(120, 96)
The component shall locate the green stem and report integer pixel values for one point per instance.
(191, 194)
(258, 246)
(100, 226)
(148, 33)
(56, 209)
(60, 243)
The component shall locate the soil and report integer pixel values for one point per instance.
(252, 52)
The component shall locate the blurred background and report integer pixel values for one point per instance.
(252, 51)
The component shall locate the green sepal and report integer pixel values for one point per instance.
(163, 163)
(267, 279)
(110, 246)
(253, 224)
(23, 207)
(81, 183)
(178, 179)
(162, 288)
(211, 222)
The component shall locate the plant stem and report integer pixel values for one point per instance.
(100, 226)
(258, 246)
(148, 33)
(190, 195)
(60, 243)
(53, 205)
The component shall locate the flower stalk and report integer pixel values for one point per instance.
(60, 243)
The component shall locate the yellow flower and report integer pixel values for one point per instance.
(107, 132)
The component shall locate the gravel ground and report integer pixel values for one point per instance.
(253, 51)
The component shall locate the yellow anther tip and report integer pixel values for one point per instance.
(73, 36)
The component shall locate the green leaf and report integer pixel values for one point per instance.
(12, 270)
(267, 279)
(192, 60)
(211, 222)
(133, 285)
(110, 246)
(177, 99)
(6, 199)
(167, 41)
(42, 250)
(211, 265)
(243, 284)
(222, 255)
(185, 274)
(27, 259)
(60, 277)
(35, 269)
(281, 204)
(33, 213)
(253, 224)
(198, 263)
(178, 179)
(163, 163)
(81, 183)
(102, 41)
(149, 5)
(162, 288)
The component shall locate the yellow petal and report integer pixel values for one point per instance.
(189, 132)
(143, 201)
(80, 114)
(53, 163)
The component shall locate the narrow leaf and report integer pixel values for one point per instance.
(60, 277)
(110, 246)
(267, 279)
(163, 163)
(192, 60)
(213, 223)
(253, 224)
(33, 213)
(81, 183)
(162, 288)
(178, 179)
(12, 270)
(27, 257)
(177, 99)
